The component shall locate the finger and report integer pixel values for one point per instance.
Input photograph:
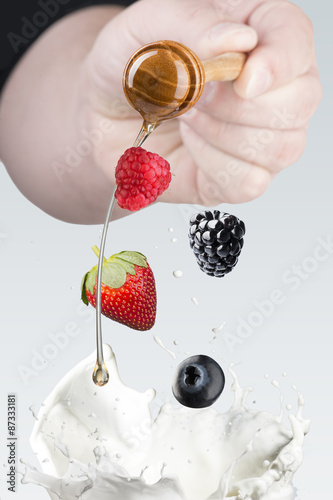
(194, 24)
(221, 177)
(289, 107)
(268, 148)
(285, 49)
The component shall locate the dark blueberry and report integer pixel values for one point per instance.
(198, 382)
(217, 239)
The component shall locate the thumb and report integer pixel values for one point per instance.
(194, 24)
(284, 52)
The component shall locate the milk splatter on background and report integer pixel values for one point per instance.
(182, 454)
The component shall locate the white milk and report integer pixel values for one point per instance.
(101, 443)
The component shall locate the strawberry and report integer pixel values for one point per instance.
(141, 177)
(128, 293)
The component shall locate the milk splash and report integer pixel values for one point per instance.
(101, 442)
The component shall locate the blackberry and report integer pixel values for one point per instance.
(216, 239)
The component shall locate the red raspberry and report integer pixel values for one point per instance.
(141, 177)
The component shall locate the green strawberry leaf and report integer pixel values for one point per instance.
(114, 271)
(129, 268)
(135, 258)
(84, 297)
(91, 279)
(113, 274)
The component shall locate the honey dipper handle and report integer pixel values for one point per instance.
(225, 67)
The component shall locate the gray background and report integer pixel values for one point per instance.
(42, 262)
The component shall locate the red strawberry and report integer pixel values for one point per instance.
(128, 293)
(141, 177)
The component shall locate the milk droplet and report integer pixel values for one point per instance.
(195, 301)
(176, 342)
(174, 240)
(288, 407)
(178, 273)
(217, 329)
(170, 229)
(284, 374)
(266, 375)
(160, 343)
(32, 409)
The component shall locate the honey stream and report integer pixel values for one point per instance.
(100, 374)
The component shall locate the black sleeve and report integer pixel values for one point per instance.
(22, 21)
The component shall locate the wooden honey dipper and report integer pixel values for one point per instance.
(165, 79)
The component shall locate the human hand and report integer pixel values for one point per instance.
(227, 149)
(239, 136)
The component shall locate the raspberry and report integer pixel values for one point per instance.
(216, 239)
(141, 177)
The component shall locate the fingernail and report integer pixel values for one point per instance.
(259, 83)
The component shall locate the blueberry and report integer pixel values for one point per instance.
(198, 382)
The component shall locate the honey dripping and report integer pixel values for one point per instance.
(100, 375)
(162, 80)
